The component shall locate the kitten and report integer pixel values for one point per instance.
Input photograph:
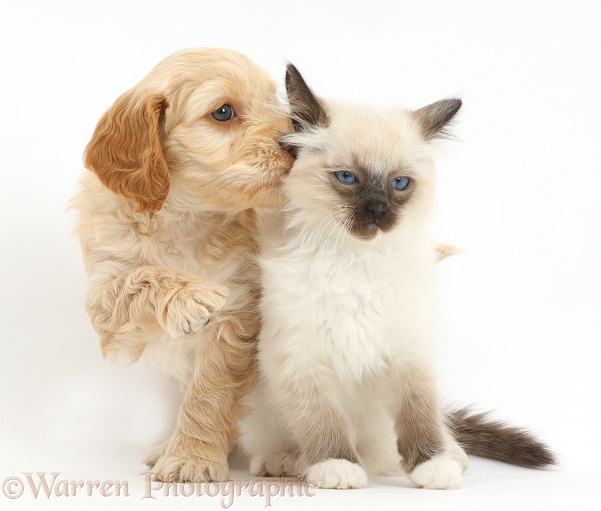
(347, 384)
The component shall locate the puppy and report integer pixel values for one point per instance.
(167, 225)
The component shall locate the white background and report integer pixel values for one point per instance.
(520, 309)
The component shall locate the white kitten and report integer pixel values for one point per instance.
(345, 351)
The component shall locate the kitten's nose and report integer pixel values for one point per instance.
(377, 208)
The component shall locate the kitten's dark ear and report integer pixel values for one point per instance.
(307, 111)
(435, 118)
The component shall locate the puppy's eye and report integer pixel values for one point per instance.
(224, 113)
(400, 183)
(345, 177)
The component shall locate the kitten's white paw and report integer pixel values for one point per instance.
(441, 472)
(458, 454)
(275, 464)
(454, 450)
(336, 473)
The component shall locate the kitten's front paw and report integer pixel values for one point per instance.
(192, 307)
(188, 467)
(276, 464)
(441, 472)
(458, 454)
(336, 473)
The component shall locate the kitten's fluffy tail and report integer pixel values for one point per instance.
(480, 435)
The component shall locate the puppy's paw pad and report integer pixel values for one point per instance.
(441, 472)
(184, 469)
(336, 473)
(275, 464)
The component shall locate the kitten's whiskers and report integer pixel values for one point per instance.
(331, 218)
(338, 217)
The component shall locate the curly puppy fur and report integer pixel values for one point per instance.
(167, 224)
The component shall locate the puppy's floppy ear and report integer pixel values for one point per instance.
(307, 111)
(435, 118)
(126, 152)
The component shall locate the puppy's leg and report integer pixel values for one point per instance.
(148, 300)
(154, 455)
(421, 436)
(212, 408)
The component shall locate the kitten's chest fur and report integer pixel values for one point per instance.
(356, 304)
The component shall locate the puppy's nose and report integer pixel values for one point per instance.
(377, 208)
(289, 148)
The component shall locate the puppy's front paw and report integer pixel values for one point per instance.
(276, 464)
(192, 307)
(441, 472)
(188, 467)
(153, 456)
(336, 473)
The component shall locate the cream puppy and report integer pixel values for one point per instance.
(167, 225)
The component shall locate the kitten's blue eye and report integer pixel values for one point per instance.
(346, 177)
(400, 183)
(224, 113)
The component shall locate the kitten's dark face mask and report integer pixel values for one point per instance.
(373, 202)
